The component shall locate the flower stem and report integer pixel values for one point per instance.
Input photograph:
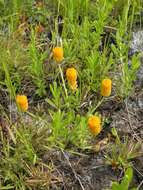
(99, 103)
(63, 81)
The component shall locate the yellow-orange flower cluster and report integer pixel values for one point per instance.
(22, 102)
(106, 86)
(58, 54)
(71, 75)
(94, 124)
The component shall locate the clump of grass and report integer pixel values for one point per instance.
(13, 64)
(121, 153)
(128, 68)
(65, 71)
(21, 166)
(36, 67)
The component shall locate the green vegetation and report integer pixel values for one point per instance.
(121, 153)
(95, 39)
(125, 181)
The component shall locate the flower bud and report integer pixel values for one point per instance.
(94, 125)
(22, 102)
(58, 54)
(106, 86)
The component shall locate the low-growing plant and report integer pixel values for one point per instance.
(82, 68)
(127, 68)
(59, 127)
(68, 129)
(120, 153)
(125, 183)
(98, 63)
(13, 64)
(12, 158)
(55, 101)
(21, 147)
(79, 136)
(36, 68)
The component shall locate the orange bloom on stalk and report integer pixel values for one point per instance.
(106, 86)
(94, 125)
(71, 75)
(58, 54)
(22, 102)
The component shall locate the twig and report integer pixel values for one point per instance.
(75, 175)
(99, 103)
(137, 170)
(130, 123)
(140, 174)
(140, 184)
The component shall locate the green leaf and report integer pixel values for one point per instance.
(127, 179)
(2, 2)
(115, 186)
(129, 173)
(51, 103)
(125, 183)
(114, 132)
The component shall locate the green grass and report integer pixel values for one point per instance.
(57, 116)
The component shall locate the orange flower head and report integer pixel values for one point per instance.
(106, 86)
(22, 102)
(94, 125)
(71, 75)
(58, 54)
